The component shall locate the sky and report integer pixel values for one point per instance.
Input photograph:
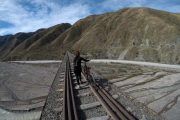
(30, 15)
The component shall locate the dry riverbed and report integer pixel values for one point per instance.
(156, 88)
(23, 89)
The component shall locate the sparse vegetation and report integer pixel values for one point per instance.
(142, 34)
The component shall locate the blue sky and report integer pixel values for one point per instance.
(30, 15)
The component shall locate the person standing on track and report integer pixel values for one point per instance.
(77, 66)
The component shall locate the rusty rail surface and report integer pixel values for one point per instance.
(112, 107)
(69, 107)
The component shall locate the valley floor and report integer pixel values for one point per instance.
(156, 87)
(24, 85)
(23, 89)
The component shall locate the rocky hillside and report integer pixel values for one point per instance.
(9, 42)
(132, 33)
(35, 46)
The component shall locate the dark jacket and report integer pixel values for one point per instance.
(77, 63)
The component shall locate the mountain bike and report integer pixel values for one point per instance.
(87, 73)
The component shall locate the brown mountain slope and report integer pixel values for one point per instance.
(9, 42)
(35, 46)
(132, 33)
(18, 51)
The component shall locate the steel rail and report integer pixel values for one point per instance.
(69, 107)
(72, 93)
(104, 104)
(112, 107)
(118, 105)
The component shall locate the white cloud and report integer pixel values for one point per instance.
(167, 5)
(117, 4)
(45, 13)
(48, 13)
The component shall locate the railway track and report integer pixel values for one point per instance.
(91, 101)
(69, 107)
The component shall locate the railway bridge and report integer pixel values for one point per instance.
(91, 101)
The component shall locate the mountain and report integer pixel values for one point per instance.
(142, 34)
(36, 46)
(9, 42)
